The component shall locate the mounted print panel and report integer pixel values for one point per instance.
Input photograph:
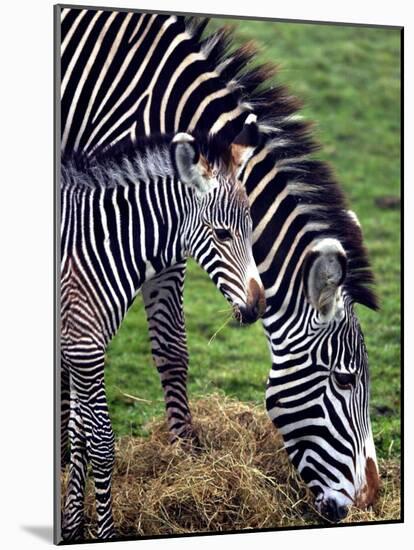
(229, 302)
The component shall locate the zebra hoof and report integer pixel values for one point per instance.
(194, 445)
(73, 533)
(188, 439)
(106, 534)
(64, 459)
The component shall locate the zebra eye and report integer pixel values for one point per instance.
(345, 379)
(223, 234)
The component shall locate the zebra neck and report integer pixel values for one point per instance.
(301, 340)
(285, 322)
(154, 213)
(125, 233)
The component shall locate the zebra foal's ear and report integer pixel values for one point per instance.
(245, 143)
(324, 271)
(193, 169)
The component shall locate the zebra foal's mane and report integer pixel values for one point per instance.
(148, 161)
(148, 158)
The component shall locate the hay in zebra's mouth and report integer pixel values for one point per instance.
(240, 479)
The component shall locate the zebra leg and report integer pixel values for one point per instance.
(163, 299)
(64, 416)
(73, 514)
(92, 419)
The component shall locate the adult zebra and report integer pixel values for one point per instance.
(151, 73)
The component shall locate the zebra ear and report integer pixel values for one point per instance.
(192, 167)
(324, 271)
(354, 218)
(245, 143)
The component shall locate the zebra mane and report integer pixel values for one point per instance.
(290, 141)
(147, 158)
(111, 170)
(288, 138)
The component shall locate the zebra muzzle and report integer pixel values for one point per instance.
(369, 492)
(333, 511)
(255, 304)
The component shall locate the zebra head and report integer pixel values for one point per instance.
(219, 233)
(318, 388)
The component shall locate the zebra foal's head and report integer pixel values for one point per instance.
(218, 234)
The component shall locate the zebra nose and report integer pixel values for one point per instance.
(248, 315)
(333, 511)
(255, 304)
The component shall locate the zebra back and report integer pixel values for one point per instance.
(127, 74)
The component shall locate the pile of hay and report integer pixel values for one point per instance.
(241, 479)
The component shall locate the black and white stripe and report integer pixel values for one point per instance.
(126, 217)
(129, 74)
(296, 208)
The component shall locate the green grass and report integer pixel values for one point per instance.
(349, 80)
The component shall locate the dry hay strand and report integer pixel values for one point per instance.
(239, 479)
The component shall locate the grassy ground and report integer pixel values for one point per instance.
(349, 80)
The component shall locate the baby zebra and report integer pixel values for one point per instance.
(125, 217)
